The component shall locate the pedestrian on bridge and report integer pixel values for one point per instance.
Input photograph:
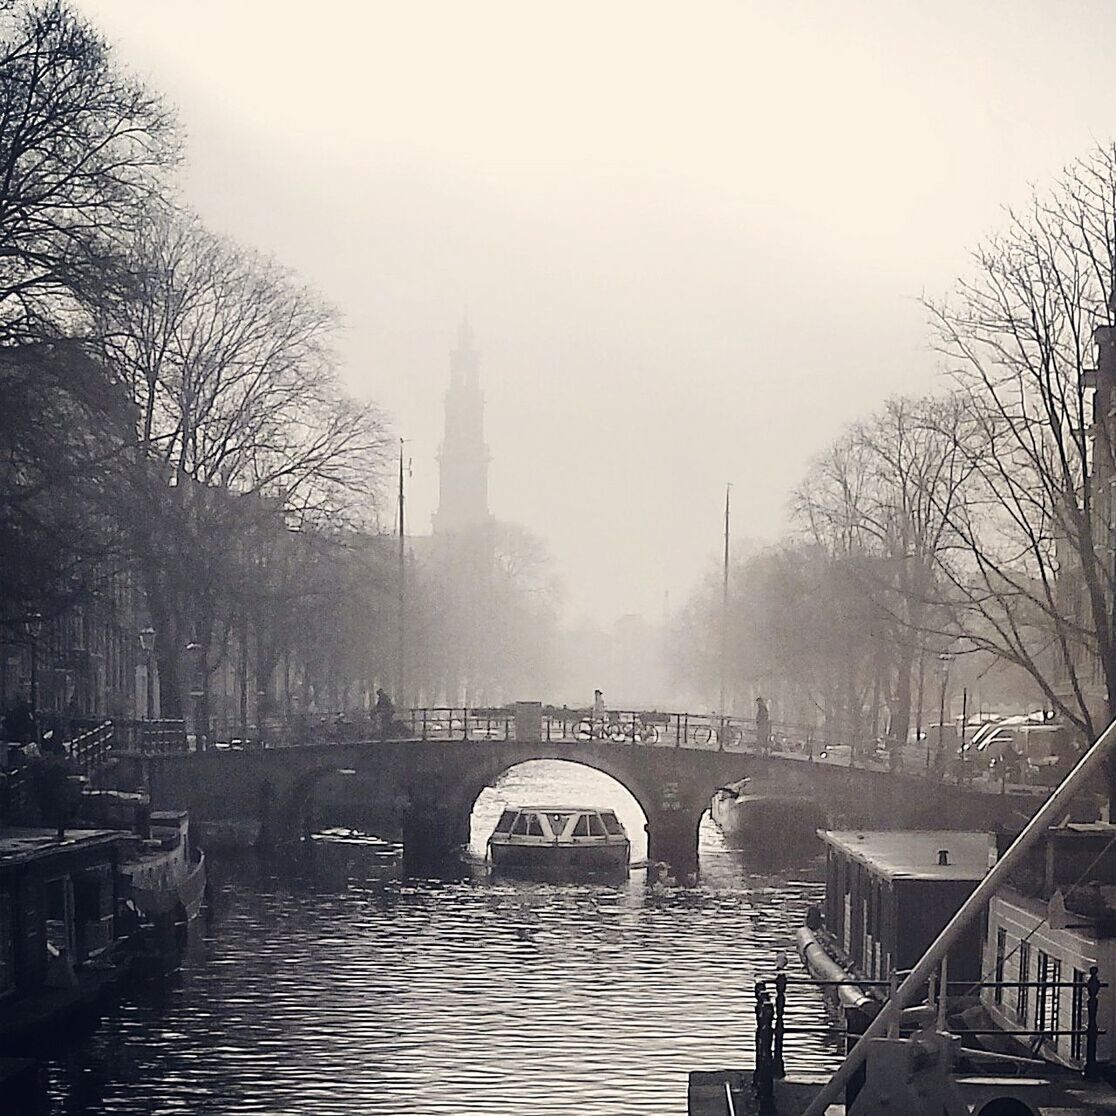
(385, 712)
(599, 709)
(763, 727)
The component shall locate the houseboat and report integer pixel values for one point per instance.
(887, 897)
(772, 826)
(57, 927)
(1049, 928)
(559, 839)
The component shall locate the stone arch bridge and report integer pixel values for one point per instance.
(423, 791)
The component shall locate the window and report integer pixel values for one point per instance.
(534, 826)
(520, 827)
(1001, 953)
(557, 823)
(1022, 992)
(612, 824)
(596, 829)
(1046, 997)
(1077, 1016)
(507, 820)
(582, 827)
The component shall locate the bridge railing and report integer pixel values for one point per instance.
(460, 723)
(662, 729)
(151, 737)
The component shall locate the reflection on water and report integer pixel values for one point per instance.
(475, 996)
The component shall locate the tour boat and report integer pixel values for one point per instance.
(559, 838)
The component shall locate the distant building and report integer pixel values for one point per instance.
(463, 546)
(463, 458)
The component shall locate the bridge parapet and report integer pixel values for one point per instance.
(679, 730)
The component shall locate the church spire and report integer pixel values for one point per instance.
(463, 457)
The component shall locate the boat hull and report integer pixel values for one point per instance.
(556, 858)
(769, 824)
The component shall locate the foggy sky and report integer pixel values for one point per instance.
(691, 238)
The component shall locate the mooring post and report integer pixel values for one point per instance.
(763, 1080)
(760, 996)
(779, 1066)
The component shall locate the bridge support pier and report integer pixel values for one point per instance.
(433, 835)
(672, 837)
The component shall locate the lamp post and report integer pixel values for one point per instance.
(194, 650)
(147, 642)
(33, 626)
(944, 659)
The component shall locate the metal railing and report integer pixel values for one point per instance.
(154, 737)
(92, 748)
(772, 1027)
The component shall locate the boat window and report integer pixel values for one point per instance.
(612, 824)
(557, 823)
(520, 827)
(596, 829)
(582, 827)
(507, 820)
(534, 826)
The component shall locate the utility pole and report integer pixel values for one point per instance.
(399, 696)
(724, 607)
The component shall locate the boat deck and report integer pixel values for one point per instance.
(729, 1093)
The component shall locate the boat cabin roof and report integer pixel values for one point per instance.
(563, 809)
(909, 854)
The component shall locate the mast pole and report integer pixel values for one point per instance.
(1051, 812)
(400, 696)
(724, 606)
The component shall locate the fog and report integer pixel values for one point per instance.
(691, 241)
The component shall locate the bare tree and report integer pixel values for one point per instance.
(232, 372)
(81, 151)
(1032, 561)
(885, 494)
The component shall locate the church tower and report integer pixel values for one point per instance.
(463, 458)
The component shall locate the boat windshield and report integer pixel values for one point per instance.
(558, 820)
(507, 820)
(582, 827)
(596, 826)
(612, 824)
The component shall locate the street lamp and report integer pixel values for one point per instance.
(944, 659)
(33, 626)
(147, 642)
(197, 692)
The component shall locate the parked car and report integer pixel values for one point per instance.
(1040, 750)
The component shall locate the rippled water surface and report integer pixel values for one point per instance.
(476, 996)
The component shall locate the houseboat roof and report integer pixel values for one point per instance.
(20, 846)
(909, 854)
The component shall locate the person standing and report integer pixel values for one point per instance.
(385, 713)
(763, 727)
(599, 709)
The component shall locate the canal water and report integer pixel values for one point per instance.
(476, 995)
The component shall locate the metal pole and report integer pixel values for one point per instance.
(35, 685)
(400, 696)
(724, 607)
(1051, 812)
(965, 769)
(941, 727)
